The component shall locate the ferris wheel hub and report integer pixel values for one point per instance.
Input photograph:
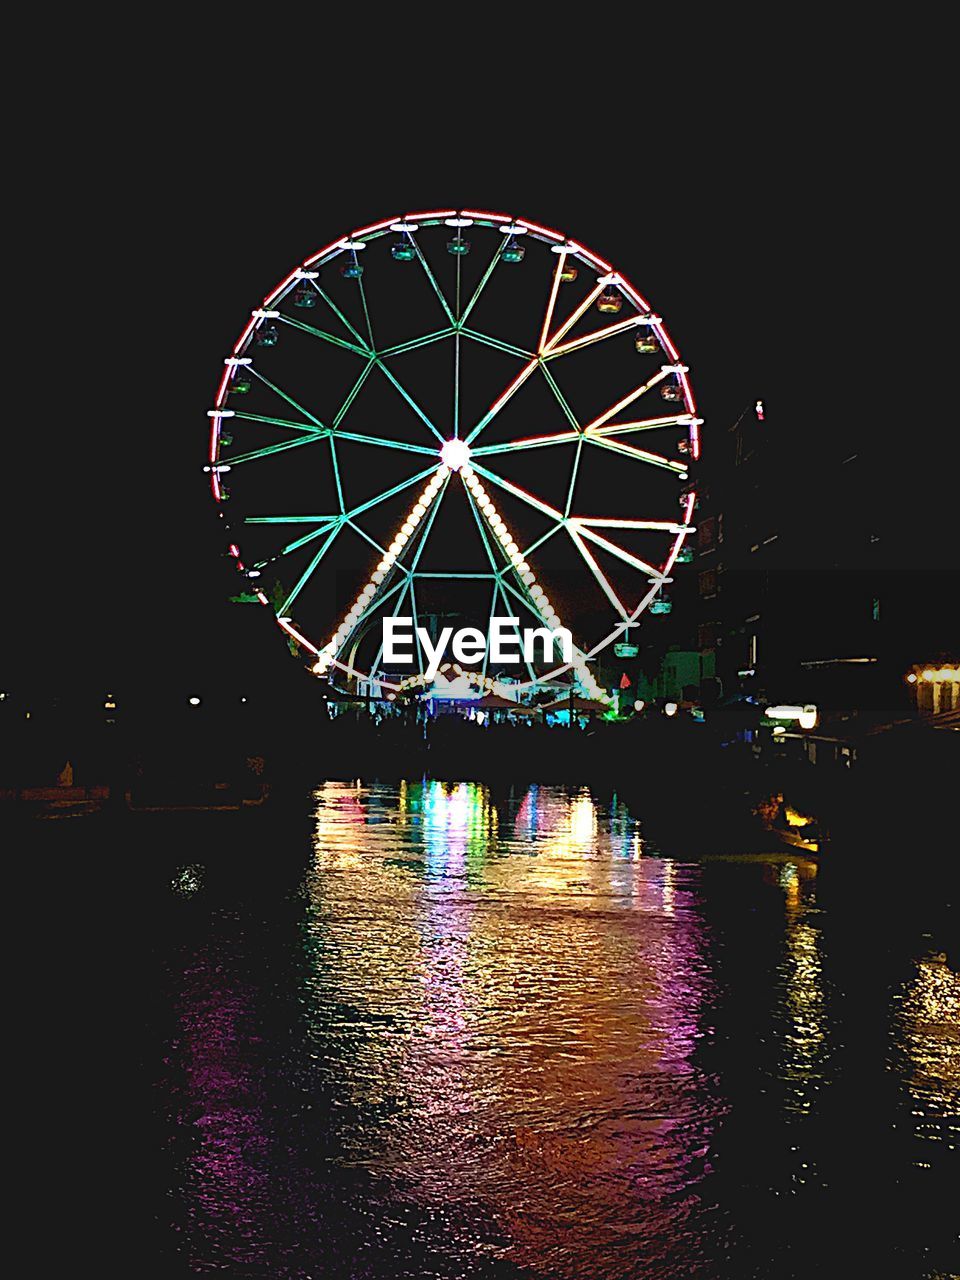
(455, 454)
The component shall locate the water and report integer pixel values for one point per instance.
(444, 1032)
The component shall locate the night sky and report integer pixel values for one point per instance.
(769, 230)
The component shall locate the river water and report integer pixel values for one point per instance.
(443, 1031)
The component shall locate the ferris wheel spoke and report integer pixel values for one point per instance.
(284, 396)
(557, 271)
(416, 625)
(518, 492)
(327, 337)
(353, 392)
(558, 394)
(634, 561)
(456, 379)
(481, 286)
(424, 341)
(430, 276)
(390, 493)
(365, 350)
(507, 395)
(516, 630)
(598, 335)
(574, 472)
(643, 424)
(366, 313)
(281, 422)
(498, 344)
(598, 573)
(568, 324)
(528, 442)
(638, 455)
(403, 586)
(308, 572)
(265, 452)
(307, 538)
(635, 394)
(336, 473)
(409, 399)
(385, 443)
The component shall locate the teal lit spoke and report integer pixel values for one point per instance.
(568, 412)
(504, 587)
(309, 537)
(336, 473)
(279, 422)
(493, 612)
(456, 378)
(327, 337)
(410, 400)
(403, 586)
(573, 477)
(389, 493)
(284, 396)
(480, 287)
(354, 390)
(288, 519)
(367, 538)
(525, 600)
(305, 576)
(416, 628)
(363, 301)
(254, 454)
(337, 312)
(430, 277)
(424, 341)
(498, 343)
(387, 444)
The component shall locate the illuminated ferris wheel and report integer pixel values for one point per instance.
(454, 415)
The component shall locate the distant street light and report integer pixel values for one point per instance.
(194, 702)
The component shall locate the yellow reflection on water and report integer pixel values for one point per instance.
(522, 994)
(803, 1050)
(930, 1021)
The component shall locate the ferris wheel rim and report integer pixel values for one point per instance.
(408, 223)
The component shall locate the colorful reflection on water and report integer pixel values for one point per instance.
(498, 1035)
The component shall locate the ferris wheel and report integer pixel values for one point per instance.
(454, 414)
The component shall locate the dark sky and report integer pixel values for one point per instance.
(774, 227)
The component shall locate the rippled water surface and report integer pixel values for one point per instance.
(447, 1032)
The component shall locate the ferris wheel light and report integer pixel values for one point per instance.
(455, 454)
(649, 318)
(404, 226)
(674, 368)
(458, 222)
(233, 362)
(350, 243)
(569, 247)
(260, 314)
(302, 273)
(512, 229)
(221, 413)
(610, 278)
